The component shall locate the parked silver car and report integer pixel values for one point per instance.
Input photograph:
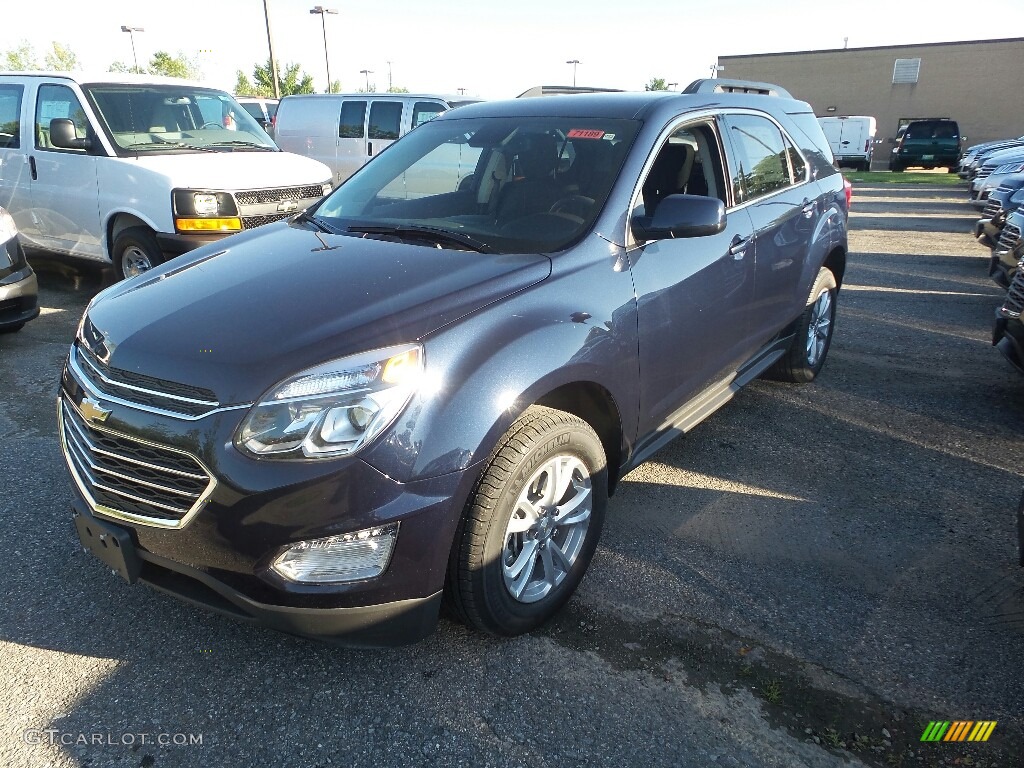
(19, 291)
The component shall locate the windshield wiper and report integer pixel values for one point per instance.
(238, 143)
(163, 144)
(308, 218)
(420, 231)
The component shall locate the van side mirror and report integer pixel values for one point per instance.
(64, 136)
(681, 216)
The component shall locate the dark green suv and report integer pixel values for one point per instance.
(933, 143)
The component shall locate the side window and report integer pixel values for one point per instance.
(57, 101)
(424, 111)
(353, 120)
(385, 119)
(761, 154)
(10, 116)
(690, 163)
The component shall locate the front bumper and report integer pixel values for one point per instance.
(177, 244)
(19, 298)
(387, 624)
(1008, 338)
(1002, 267)
(220, 553)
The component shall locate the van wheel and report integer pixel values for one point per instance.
(136, 251)
(806, 354)
(531, 526)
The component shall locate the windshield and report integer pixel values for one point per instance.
(501, 185)
(175, 118)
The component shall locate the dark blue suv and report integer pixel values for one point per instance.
(425, 388)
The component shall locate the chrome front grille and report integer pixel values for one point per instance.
(1009, 238)
(169, 398)
(132, 479)
(992, 209)
(984, 172)
(260, 196)
(1014, 304)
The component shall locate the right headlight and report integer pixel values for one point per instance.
(333, 409)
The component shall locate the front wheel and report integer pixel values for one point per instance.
(531, 526)
(803, 360)
(136, 251)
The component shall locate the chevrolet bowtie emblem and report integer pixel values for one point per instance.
(92, 410)
(287, 206)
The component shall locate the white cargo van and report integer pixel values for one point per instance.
(852, 139)
(344, 130)
(135, 169)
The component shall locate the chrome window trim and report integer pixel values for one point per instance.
(135, 388)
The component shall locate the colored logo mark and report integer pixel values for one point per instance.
(958, 730)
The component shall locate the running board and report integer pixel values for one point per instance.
(707, 402)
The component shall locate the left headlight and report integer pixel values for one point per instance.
(202, 211)
(333, 409)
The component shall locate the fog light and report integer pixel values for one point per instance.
(336, 559)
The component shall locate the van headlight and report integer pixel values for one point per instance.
(333, 409)
(202, 211)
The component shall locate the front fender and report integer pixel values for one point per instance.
(487, 369)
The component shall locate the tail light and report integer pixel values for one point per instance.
(867, 143)
(848, 191)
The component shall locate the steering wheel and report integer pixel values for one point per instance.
(211, 125)
(573, 205)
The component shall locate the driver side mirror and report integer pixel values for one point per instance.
(64, 136)
(681, 216)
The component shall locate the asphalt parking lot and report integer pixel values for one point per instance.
(807, 579)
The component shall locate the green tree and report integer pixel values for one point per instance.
(21, 58)
(397, 89)
(289, 79)
(120, 66)
(61, 58)
(656, 84)
(164, 63)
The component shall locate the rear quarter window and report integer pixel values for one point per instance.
(10, 116)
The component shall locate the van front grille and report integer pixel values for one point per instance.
(259, 196)
(132, 479)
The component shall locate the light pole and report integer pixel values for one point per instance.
(671, 86)
(131, 32)
(462, 91)
(574, 62)
(716, 68)
(273, 61)
(323, 13)
(389, 77)
(366, 72)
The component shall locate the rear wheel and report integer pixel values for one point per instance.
(136, 251)
(806, 355)
(531, 526)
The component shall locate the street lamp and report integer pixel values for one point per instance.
(131, 32)
(716, 68)
(323, 12)
(574, 62)
(273, 61)
(366, 72)
(671, 86)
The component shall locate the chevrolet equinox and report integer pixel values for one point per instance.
(423, 389)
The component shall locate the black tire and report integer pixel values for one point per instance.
(799, 365)
(135, 251)
(12, 328)
(896, 168)
(478, 591)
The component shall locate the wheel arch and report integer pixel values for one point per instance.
(835, 262)
(117, 223)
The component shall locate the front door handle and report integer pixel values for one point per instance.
(32, 167)
(738, 247)
(809, 208)
(369, 149)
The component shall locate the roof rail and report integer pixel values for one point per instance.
(721, 85)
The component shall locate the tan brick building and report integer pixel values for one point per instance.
(974, 82)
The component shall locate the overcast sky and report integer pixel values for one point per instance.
(493, 50)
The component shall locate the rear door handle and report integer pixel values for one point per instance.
(32, 167)
(809, 208)
(738, 247)
(369, 149)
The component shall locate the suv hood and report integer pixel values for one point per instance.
(239, 315)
